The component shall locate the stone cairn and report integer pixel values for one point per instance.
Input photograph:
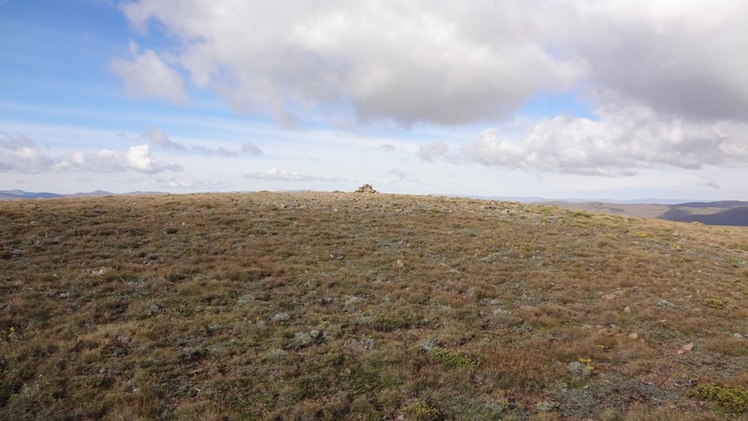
(366, 188)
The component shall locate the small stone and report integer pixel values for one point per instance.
(427, 344)
(545, 406)
(303, 339)
(578, 368)
(627, 309)
(665, 303)
(281, 317)
(688, 347)
(368, 343)
(500, 312)
(633, 336)
(399, 263)
(245, 299)
(278, 354)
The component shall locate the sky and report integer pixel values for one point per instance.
(558, 99)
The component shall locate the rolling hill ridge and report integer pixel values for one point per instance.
(365, 306)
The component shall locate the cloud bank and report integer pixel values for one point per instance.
(666, 79)
(147, 75)
(21, 155)
(623, 140)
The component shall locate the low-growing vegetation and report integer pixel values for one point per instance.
(365, 306)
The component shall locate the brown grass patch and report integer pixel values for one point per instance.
(333, 305)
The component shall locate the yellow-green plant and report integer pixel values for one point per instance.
(734, 399)
(452, 358)
(420, 410)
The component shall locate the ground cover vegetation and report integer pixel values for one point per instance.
(365, 306)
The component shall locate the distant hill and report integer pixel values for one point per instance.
(737, 216)
(308, 305)
(20, 194)
(726, 212)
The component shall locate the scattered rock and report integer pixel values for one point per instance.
(278, 354)
(337, 255)
(612, 330)
(302, 339)
(212, 328)
(245, 299)
(427, 344)
(366, 188)
(351, 300)
(627, 309)
(665, 303)
(399, 263)
(686, 348)
(368, 343)
(545, 406)
(281, 317)
(578, 368)
(633, 336)
(153, 310)
(500, 312)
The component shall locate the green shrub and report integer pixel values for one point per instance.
(420, 410)
(734, 399)
(452, 358)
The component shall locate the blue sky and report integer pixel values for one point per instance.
(559, 99)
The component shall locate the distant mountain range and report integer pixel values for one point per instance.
(20, 194)
(726, 212)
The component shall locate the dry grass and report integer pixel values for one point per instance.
(364, 306)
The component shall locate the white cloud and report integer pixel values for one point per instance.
(175, 183)
(147, 75)
(139, 158)
(22, 155)
(452, 62)
(666, 78)
(442, 61)
(679, 57)
(274, 174)
(623, 140)
(160, 138)
(220, 151)
(420, 61)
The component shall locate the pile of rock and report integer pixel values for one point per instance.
(366, 188)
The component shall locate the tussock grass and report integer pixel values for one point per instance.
(364, 306)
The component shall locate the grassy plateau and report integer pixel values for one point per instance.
(295, 306)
